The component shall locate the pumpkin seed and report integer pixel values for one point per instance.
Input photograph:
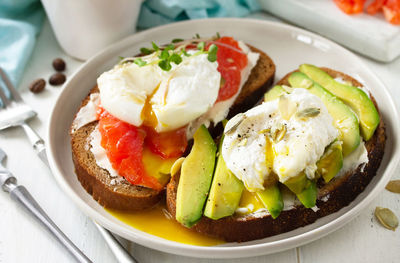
(234, 123)
(278, 132)
(286, 107)
(393, 186)
(308, 113)
(387, 218)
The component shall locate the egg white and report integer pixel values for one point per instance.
(189, 91)
(177, 96)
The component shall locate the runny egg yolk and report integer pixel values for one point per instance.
(250, 200)
(157, 166)
(269, 154)
(148, 115)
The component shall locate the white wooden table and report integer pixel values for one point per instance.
(23, 240)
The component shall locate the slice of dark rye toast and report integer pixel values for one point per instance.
(120, 194)
(341, 191)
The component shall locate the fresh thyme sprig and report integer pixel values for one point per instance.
(173, 53)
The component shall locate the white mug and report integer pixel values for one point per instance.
(84, 27)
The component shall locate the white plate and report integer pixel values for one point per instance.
(288, 46)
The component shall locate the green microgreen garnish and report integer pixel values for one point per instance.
(212, 53)
(164, 54)
(185, 53)
(175, 58)
(140, 62)
(165, 65)
(155, 47)
(201, 46)
(146, 51)
(173, 54)
(170, 47)
(176, 40)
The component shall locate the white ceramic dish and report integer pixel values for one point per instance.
(288, 46)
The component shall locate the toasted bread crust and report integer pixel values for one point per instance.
(341, 192)
(120, 194)
(260, 79)
(125, 196)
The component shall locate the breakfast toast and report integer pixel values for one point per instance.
(120, 194)
(331, 197)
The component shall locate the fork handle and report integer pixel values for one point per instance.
(21, 195)
(37, 142)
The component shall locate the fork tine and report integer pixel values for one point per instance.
(10, 86)
(2, 155)
(4, 98)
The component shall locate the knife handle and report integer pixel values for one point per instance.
(20, 194)
(36, 141)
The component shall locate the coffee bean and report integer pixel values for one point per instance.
(59, 64)
(37, 85)
(57, 79)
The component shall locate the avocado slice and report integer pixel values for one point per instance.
(308, 196)
(297, 183)
(331, 162)
(225, 193)
(304, 188)
(274, 93)
(195, 179)
(344, 118)
(272, 199)
(354, 97)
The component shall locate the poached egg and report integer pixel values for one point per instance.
(279, 138)
(164, 100)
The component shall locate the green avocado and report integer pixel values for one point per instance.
(331, 162)
(344, 118)
(225, 193)
(308, 196)
(274, 93)
(272, 199)
(297, 183)
(195, 179)
(304, 188)
(354, 97)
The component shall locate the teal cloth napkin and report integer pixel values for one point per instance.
(161, 12)
(20, 22)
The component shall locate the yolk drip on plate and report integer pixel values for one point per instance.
(156, 221)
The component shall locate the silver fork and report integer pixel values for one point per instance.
(16, 113)
(20, 194)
